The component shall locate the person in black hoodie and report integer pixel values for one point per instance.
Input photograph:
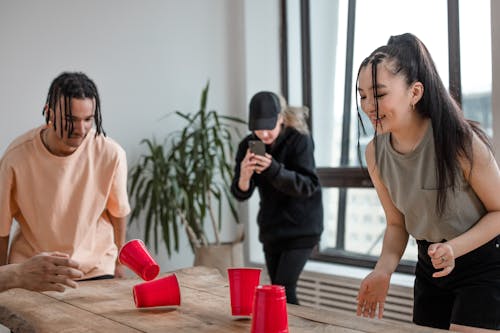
(290, 217)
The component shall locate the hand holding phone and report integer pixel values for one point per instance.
(257, 147)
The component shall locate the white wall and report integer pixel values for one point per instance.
(147, 58)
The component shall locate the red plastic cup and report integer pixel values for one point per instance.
(160, 292)
(135, 256)
(242, 284)
(269, 310)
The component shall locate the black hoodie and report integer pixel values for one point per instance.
(291, 209)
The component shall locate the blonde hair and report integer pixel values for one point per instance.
(294, 116)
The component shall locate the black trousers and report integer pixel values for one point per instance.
(284, 269)
(469, 295)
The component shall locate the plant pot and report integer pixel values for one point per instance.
(220, 256)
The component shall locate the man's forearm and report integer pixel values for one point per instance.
(8, 278)
(4, 245)
(119, 230)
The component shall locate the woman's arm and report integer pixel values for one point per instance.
(242, 185)
(484, 178)
(396, 236)
(373, 289)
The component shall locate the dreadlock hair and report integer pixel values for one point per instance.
(406, 55)
(63, 89)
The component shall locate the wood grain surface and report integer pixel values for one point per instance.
(108, 306)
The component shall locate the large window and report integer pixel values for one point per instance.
(324, 42)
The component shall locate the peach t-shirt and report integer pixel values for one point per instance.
(61, 203)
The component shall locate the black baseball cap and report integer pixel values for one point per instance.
(264, 110)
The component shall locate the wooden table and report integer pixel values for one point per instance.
(108, 306)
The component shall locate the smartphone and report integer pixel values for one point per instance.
(257, 147)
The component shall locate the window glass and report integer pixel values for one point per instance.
(475, 61)
(294, 53)
(328, 60)
(365, 224)
(330, 218)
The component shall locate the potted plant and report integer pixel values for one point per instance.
(183, 182)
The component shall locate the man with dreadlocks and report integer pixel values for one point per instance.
(66, 184)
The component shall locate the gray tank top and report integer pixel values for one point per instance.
(411, 181)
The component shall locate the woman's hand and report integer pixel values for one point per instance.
(250, 164)
(261, 162)
(247, 166)
(372, 294)
(442, 257)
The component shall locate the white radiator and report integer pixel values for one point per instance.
(337, 292)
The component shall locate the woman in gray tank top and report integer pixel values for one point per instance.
(438, 181)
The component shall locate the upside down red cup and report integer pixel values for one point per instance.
(269, 310)
(242, 284)
(136, 256)
(164, 291)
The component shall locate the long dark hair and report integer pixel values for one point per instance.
(406, 55)
(70, 85)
